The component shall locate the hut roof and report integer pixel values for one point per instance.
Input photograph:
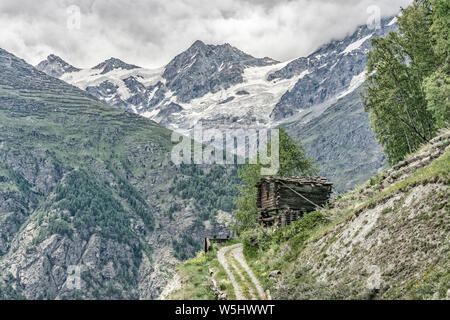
(297, 180)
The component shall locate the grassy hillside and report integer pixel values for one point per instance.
(193, 278)
(87, 187)
(387, 239)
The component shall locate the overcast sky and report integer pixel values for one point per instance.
(150, 33)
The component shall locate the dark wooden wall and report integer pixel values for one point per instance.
(315, 193)
(267, 194)
(275, 195)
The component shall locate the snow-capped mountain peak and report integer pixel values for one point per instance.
(224, 86)
(335, 69)
(55, 66)
(112, 64)
(208, 68)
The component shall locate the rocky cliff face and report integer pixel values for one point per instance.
(87, 209)
(113, 64)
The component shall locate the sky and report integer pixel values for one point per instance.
(149, 33)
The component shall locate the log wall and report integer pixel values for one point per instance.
(281, 202)
(268, 196)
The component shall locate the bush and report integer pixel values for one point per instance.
(299, 231)
(256, 239)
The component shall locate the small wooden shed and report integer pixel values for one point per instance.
(283, 200)
(209, 241)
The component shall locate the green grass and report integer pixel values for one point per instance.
(438, 169)
(194, 275)
(432, 281)
(238, 276)
(246, 281)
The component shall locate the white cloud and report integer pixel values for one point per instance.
(150, 33)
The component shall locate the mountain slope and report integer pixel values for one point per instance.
(87, 189)
(112, 64)
(332, 71)
(342, 142)
(203, 69)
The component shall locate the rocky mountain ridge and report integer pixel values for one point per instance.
(210, 77)
(223, 87)
(55, 66)
(112, 64)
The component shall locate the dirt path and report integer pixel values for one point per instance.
(223, 261)
(239, 256)
(229, 266)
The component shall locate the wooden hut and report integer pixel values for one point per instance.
(283, 200)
